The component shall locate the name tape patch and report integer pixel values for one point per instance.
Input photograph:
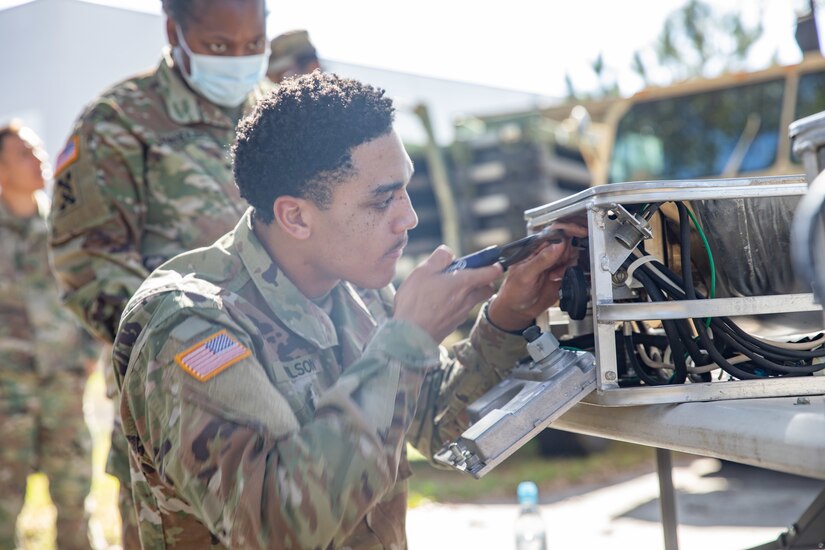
(211, 356)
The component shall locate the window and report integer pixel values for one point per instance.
(699, 135)
(810, 98)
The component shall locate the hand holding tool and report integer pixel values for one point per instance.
(507, 254)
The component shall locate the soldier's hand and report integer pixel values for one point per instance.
(439, 302)
(533, 285)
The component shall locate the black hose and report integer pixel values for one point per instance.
(721, 325)
(673, 333)
(640, 370)
(678, 293)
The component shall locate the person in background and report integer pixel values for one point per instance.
(45, 356)
(292, 54)
(146, 173)
(270, 382)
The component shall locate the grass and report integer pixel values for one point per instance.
(552, 475)
(36, 522)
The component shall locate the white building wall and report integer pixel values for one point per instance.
(60, 54)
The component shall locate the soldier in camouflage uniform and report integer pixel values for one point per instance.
(44, 354)
(269, 382)
(146, 173)
(291, 54)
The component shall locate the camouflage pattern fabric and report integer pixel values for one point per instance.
(145, 175)
(258, 420)
(43, 353)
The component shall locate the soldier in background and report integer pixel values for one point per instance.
(45, 356)
(146, 174)
(292, 54)
(269, 382)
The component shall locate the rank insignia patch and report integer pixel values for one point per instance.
(67, 156)
(211, 356)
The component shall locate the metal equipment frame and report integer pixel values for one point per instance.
(596, 203)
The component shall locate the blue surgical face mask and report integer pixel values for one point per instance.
(223, 80)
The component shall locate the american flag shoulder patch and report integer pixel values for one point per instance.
(68, 155)
(211, 356)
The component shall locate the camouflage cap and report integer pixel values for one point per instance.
(289, 47)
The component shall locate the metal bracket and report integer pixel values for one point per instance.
(517, 408)
(624, 233)
(808, 532)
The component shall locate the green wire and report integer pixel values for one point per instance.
(710, 259)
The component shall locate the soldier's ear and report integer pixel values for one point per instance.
(294, 216)
(170, 32)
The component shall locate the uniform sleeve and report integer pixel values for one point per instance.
(233, 449)
(477, 364)
(97, 218)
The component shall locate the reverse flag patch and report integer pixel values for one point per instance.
(211, 356)
(68, 155)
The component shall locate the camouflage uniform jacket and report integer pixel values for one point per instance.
(257, 420)
(35, 328)
(145, 175)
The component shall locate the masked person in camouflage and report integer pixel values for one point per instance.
(146, 173)
(269, 382)
(44, 354)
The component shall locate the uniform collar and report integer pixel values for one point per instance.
(22, 225)
(185, 106)
(288, 303)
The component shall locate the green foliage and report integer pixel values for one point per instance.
(695, 41)
(551, 474)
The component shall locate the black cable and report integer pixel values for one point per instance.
(726, 321)
(752, 349)
(685, 337)
(665, 246)
(741, 342)
(720, 324)
(800, 354)
(641, 371)
(687, 276)
(673, 334)
(720, 330)
(646, 277)
(757, 358)
(764, 359)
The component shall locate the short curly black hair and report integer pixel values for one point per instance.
(298, 140)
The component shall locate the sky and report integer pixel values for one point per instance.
(523, 44)
(527, 45)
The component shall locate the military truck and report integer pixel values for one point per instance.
(666, 350)
(732, 125)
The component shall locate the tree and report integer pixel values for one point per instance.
(694, 41)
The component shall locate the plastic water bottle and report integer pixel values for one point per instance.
(529, 524)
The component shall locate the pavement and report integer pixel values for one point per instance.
(720, 505)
